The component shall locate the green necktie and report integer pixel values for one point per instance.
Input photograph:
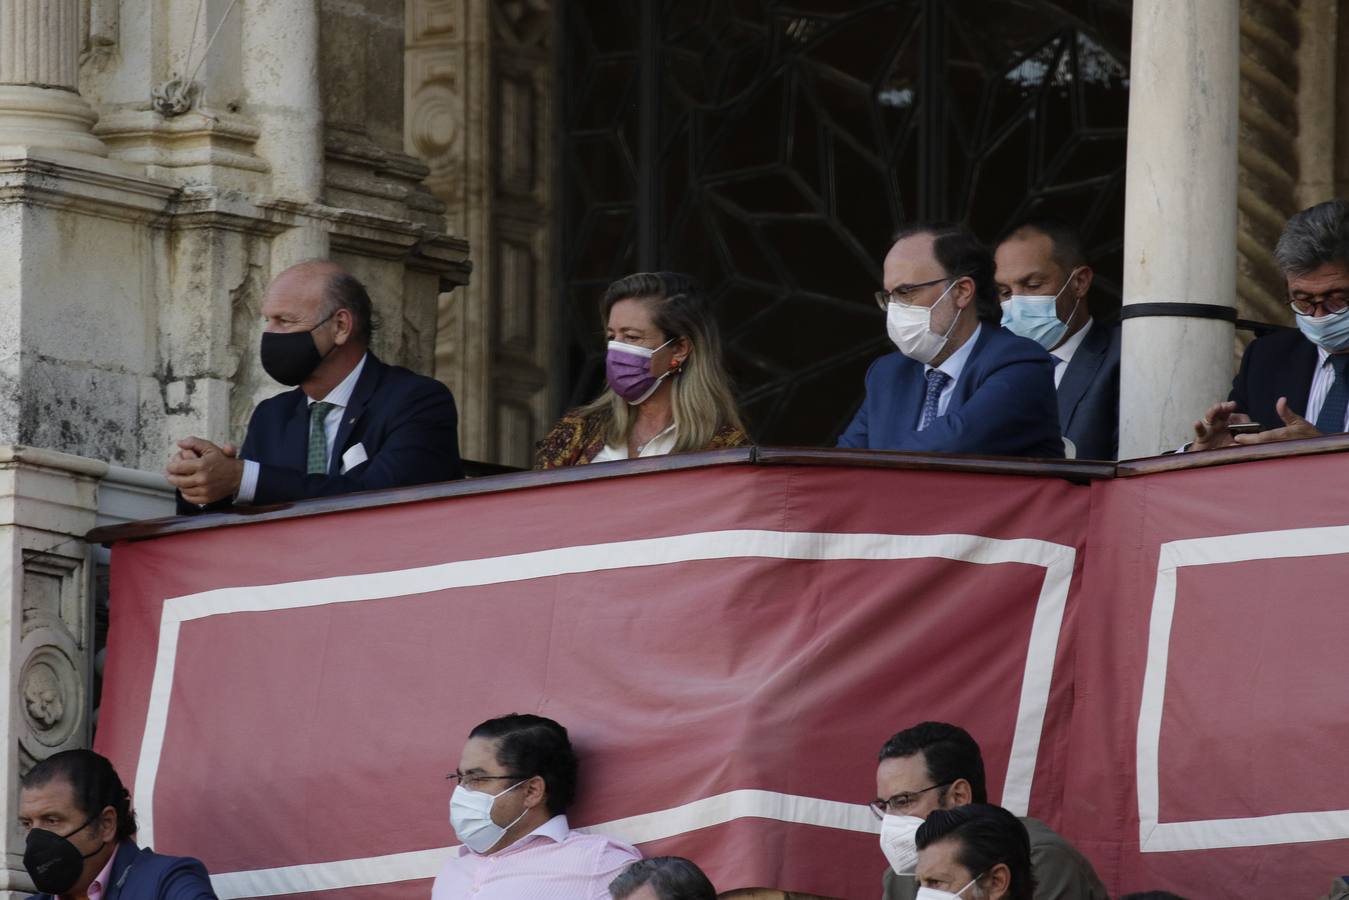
(318, 438)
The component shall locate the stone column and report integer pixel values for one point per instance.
(47, 504)
(40, 105)
(1180, 218)
(282, 92)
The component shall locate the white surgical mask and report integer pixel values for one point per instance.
(897, 843)
(910, 327)
(1036, 316)
(931, 893)
(1330, 333)
(471, 818)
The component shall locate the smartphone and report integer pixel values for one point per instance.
(1245, 427)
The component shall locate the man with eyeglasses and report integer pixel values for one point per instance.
(1294, 383)
(959, 383)
(516, 778)
(934, 766)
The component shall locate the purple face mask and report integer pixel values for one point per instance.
(628, 368)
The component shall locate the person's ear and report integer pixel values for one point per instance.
(963, 292)
(680, 351)
(998, 881)
(1082, 281)
(345, 326)
(536, 792)
(106, 827)
(959, 793)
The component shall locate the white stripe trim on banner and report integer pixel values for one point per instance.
(1056, 559)
(1155, 836)
(641, 829)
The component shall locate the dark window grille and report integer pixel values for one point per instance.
(771, 148)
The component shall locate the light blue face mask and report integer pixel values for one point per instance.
(1036, 317)
(1330, 333)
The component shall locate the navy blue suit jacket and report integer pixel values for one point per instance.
(139, 874)
(1002, 405)
(1280, 364)
(406, 422)
(1089, 394)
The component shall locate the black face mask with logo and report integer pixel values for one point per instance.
(292, 356)
(53, 862)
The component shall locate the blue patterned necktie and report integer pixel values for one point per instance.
(318, 438)
(1330, 420)
(936, 381)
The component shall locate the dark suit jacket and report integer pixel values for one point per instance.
(1276, 365)
(1002, 405)
(139, 874)
(1089, 394)
(406, 422)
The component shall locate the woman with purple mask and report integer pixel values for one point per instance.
(667, 389)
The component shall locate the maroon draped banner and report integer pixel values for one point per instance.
(1149, 664)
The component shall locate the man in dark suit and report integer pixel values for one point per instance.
(80, 828)
(352, 424)
(959, 383)
(1043, 280)
(1296, 382)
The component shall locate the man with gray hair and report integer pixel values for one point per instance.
(351, 422)
(1295, 383)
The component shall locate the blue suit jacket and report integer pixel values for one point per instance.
(1002, 405)
(146, 875)
(406, 422)
(1279, 364)
(1089, 394)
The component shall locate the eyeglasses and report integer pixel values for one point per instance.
(473, 782)
(1334, 301)
(901, 801)
(903, 293)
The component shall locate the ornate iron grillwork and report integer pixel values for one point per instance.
(771, 148)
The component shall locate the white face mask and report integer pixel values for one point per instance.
(897, 833)
(1036, 316)
(931, 893)
(910, 327)
(471, 818)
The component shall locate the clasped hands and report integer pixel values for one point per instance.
(204, 473)
(1211, 431)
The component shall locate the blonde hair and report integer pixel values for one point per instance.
(701, 395)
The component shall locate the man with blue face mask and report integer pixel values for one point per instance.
(516, 778)
(1296, 382)
(1043, 280)
(958, 383)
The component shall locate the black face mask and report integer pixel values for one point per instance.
(53, 862)
(292, 356)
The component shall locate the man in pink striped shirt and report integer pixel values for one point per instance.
(516, 778)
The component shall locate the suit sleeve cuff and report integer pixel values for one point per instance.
(248, 484)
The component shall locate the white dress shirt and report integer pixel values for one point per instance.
(1066, 350)
(659, 445)
(953, 366)
(552, 862)
(339, 397)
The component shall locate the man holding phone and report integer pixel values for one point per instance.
(1292, 370)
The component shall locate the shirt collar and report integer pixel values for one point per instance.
(955, 363)
(340, 396)
(99, 887)
(1066, 350)
(1322, 355)
(555, 829)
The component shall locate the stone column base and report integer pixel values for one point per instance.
(47, 117)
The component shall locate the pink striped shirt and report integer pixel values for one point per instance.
(552, 862)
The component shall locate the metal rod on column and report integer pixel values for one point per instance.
(1180, 220)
